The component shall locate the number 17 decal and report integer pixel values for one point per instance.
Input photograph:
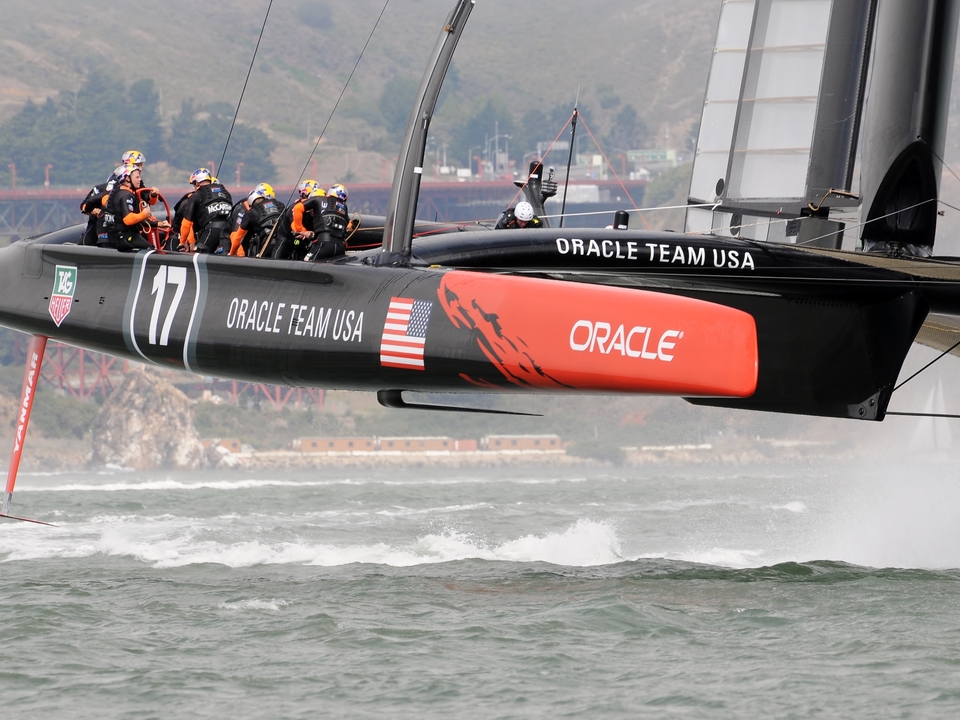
(166, 276)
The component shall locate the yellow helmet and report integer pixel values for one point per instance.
(306, 188)
(132, 157)
(263, 190)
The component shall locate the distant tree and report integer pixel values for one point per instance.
(533, 128)
(628, 131)
(315, 14)
(198, 134)
(396, 100)
(488, 117)
(608, 98)
(82, 134)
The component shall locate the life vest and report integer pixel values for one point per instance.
(121, 203)
(335, 218)
(269, 214)
(212, 204)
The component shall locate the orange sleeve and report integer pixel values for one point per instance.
(186, 233)
(297, 224)
(236, 238)
(134, 218)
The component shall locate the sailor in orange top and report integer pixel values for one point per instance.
(125, 212)
(295, 234)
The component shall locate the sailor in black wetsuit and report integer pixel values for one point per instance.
(519, 217)
(93, 206)
(258, 222)
(206, 213)
(175, 242)
(125, 212)
(330, 223)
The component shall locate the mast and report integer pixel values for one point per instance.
(402, 211)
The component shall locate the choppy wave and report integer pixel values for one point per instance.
(255, 483)
(174, 542)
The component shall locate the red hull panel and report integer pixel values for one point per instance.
(548, 334)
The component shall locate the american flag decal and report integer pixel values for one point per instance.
(405, 333)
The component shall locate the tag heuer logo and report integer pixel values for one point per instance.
(61, 299)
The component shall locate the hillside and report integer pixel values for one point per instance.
(650, 54)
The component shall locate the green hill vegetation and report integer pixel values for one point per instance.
(642, 67)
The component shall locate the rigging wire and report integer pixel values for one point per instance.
(939, 357)
(244, 90)
(867, 222)
(613, 170)
(774, 221)
(549, 148)
(336, 105)
(930, 415)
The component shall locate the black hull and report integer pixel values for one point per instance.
(832, 329)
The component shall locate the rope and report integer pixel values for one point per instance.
(339, 98)
(930, 415)
(939, 357)
(613, 170)
(244, 90)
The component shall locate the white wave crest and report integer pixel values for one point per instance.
(176, 542)
(272, 604)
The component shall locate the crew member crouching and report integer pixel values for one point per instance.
(331, 220)
(206, 213)
(257, 227)
(519, 217)
(93, 206)
(296, 226)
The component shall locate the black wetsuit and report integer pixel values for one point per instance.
(289, 246)
(209, 209)
(94, 201)
(508, 221)
(330, 219)
(258, 223)
(125, 238)
(177, 223)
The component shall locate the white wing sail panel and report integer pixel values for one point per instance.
(781, 117)
(778, 101)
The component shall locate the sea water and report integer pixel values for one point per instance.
(818, 590)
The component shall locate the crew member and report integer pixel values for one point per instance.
(296, 226)
(125, 212)
(175, 236)
(206, 213)
(519, 217)
(240, 209)
(93, 206)
(257, 227)
(330, 224)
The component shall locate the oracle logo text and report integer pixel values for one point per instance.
(587, 336)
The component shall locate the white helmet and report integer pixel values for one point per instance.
(263, 190)
(524, 211)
